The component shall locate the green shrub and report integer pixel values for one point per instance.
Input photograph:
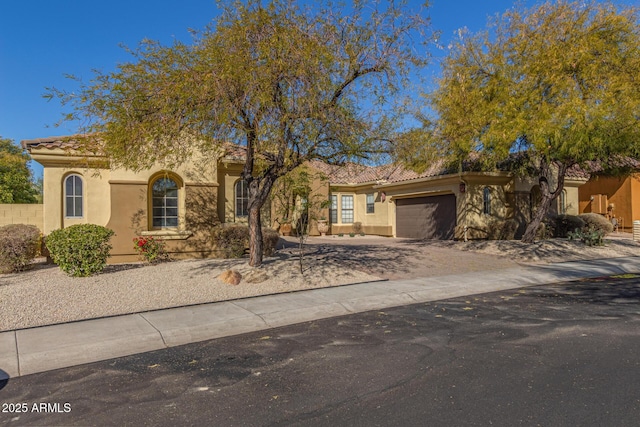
(80, 250)
(589, 236)
(233, 240)
(564, 224)
(19, 245)
(150, 250)
(270, 239)
(595, 221)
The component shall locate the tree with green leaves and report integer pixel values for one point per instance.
(559, 82)
(290, 84)
(16, 185)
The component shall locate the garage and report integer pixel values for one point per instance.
(432, 217)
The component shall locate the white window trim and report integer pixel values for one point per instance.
(331, 209)
(235, 198)
(366, 204)
(178, 207)
(352, 209)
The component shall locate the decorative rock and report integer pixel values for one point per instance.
(230, 277)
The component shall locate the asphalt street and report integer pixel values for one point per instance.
(554, 355)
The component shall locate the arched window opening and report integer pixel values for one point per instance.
(486, 201)
(164, 200)
(562, 202)
(73, 196)
(242, 198)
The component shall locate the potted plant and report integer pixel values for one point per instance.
(323, 226)
(285, 227)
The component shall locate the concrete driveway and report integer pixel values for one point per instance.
(397, 258)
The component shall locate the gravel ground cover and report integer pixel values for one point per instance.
(45, 295)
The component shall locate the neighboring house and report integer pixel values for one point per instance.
(182, 205)
(617, 197)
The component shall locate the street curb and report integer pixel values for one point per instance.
(28, 351)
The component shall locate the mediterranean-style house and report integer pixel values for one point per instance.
(182, 205)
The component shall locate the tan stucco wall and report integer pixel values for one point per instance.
(376, 223)
(119, 199)
(469, 204)
(501, 206)
(509, 195)
(319, 196)
(572, 207)
(197, 210)
(31, 214)
(96, 200)
(228, 174)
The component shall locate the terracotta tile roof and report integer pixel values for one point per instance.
(621, 164)
(234, 151)
(576, 172)
(352, 173)
(50, 142)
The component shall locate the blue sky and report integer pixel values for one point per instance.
(42, 40)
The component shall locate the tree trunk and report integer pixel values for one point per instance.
(547, 197)
(259, 190)
(255, 236)
(532, 228)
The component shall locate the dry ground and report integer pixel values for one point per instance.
(45, 295)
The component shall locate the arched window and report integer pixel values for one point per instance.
(73, 196)
(242, 198)
(562, 202)
(486, 201)
(164, 203)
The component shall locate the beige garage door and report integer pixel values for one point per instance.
(431, 217)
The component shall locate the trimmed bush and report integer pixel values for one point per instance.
(502, 230)
(19, 245)
(509, 228)
(80, 250)
(594, 221)
(233, 240)
(565, 224)
(270, 239)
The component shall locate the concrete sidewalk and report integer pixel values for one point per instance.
(28, 351)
